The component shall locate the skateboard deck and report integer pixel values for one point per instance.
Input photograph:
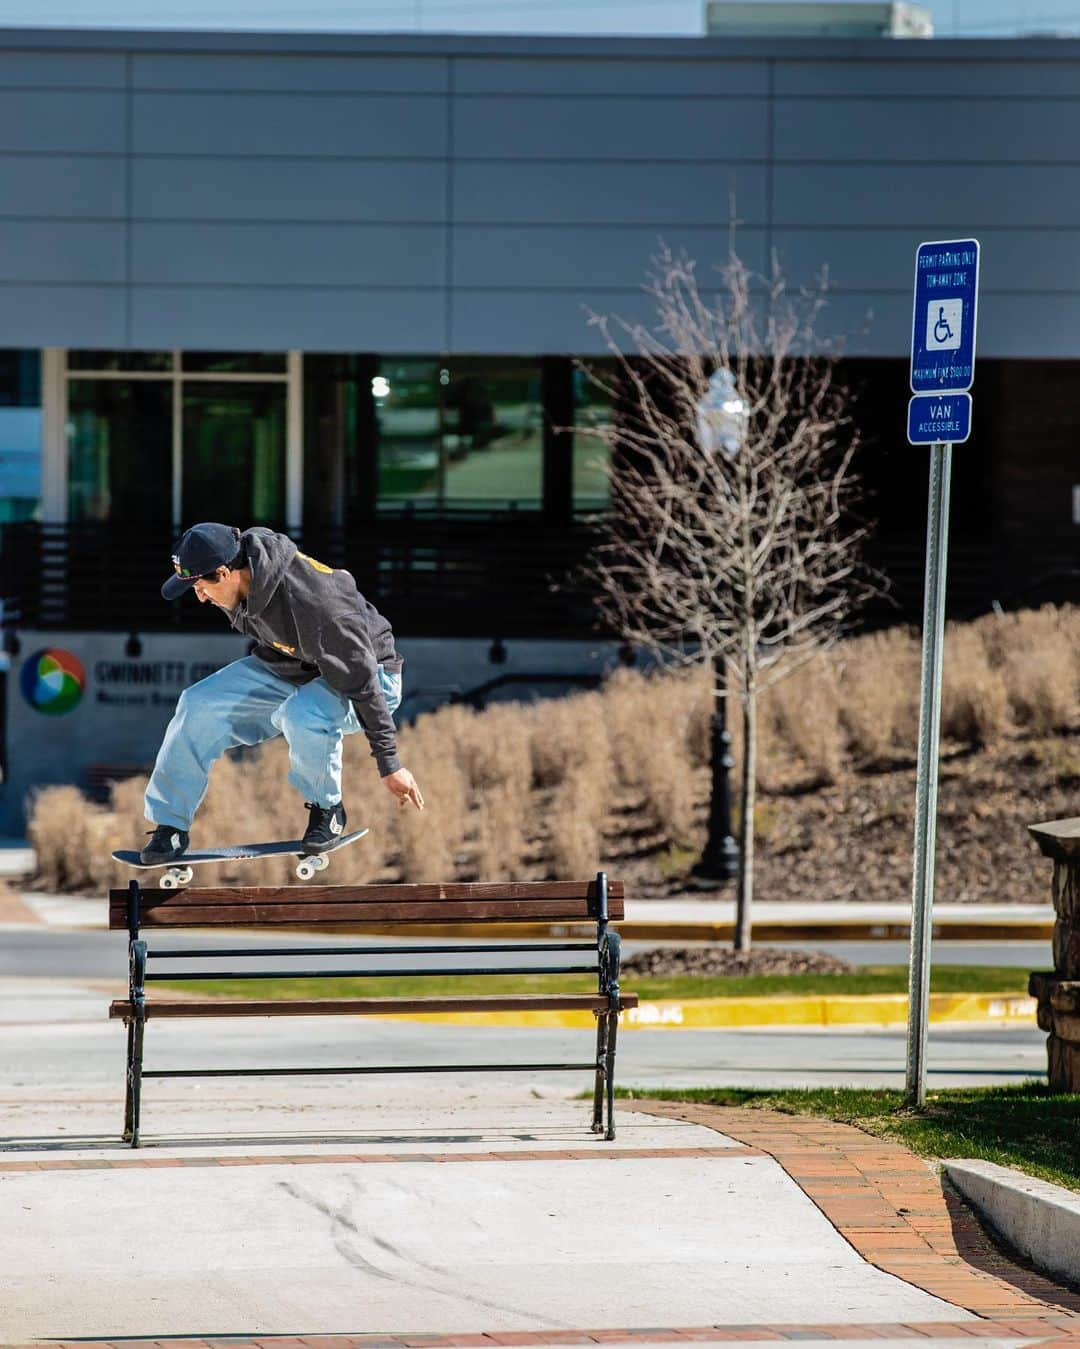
(180, 872)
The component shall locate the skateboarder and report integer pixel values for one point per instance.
(324, 665)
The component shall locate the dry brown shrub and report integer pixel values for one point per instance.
(649, 717)
(974, 699)
(804, 709)
(428, 842)
(568, 735)
(72, 838)
(1036, 654)
(496, 749)
(577, 808)
(879, 693)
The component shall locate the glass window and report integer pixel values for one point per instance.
(593, 407)
(462, 432)
(338, 454)
(235, 362)
(407, 413)
(20, 379)
(20, 435)
(134, 361)
(234, 453)
(120, 450)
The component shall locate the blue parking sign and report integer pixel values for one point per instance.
(936, 418)
(945, 315)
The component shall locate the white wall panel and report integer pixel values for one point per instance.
(62, 250)
(74, 121)
(300, 189)
(648, 194)
(61, 70)
(977, 130)
(566, 76)
(272, 254)
(1006, 77)
(252, 319)
(67, 186)
(289, 124)
(53, 316)
(948, 200)
(611, 128)
(561, 256)
(387, 74)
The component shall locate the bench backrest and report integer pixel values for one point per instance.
(316, 905)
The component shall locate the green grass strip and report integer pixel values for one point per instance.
(868, 979)
(1023, 1126)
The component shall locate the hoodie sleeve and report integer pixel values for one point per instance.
(345, 656)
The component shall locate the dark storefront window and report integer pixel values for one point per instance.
(120, 450)
(593, 407)
(234, 362)
(134, 361)
(234, 453)
(20, 434)
(459, 433)
(339, 442)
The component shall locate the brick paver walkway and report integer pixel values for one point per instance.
(890, 1205)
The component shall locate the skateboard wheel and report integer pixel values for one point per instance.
(320, 863)
(168, 881)
(184, 875)
(305, 870)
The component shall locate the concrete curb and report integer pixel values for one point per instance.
(884, 1009)
(1040, 1220)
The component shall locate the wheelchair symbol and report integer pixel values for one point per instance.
(942, 331)
(944, 324)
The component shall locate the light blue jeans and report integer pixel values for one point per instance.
(244, 704)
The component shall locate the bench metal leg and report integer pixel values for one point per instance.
(601, 1065)
(133, 1098)
(613, 1025)
(129, 1092)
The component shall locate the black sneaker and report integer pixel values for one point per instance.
(326, 824)
(166, 845)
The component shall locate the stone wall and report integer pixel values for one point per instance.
(1058, 992)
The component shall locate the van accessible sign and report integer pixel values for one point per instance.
(934, 418)
(944, 318)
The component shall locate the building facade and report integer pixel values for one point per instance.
(338, 285)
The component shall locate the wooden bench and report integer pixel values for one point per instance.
(310, 908)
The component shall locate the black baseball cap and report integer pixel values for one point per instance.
(203, 549)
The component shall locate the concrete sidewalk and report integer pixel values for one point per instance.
(480, 1222)
(385, 1212)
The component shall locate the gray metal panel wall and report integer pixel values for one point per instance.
(426, 194)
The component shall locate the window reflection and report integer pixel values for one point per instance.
(459, 432)
(234, 453)
(120, 450)
(593, 408)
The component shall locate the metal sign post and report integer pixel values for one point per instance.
(942, 370)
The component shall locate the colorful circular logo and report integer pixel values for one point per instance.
(53, 680)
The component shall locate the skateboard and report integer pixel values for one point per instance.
(180, 872)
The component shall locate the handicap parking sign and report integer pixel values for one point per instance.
(944, 324)
(944, 318)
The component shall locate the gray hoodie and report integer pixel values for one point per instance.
(308, 620)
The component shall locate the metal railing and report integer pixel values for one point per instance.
(472, 577)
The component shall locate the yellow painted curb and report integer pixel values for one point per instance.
(872, 1009)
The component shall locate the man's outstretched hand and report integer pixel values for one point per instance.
(403, 785)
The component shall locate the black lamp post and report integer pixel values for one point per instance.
(719, 860)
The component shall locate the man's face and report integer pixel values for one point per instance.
(223, 590)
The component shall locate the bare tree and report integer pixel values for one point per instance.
(731, 539)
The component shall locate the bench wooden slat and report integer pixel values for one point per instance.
(259, 915)
(344, 904)
(493, 1002)
(465, 890)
